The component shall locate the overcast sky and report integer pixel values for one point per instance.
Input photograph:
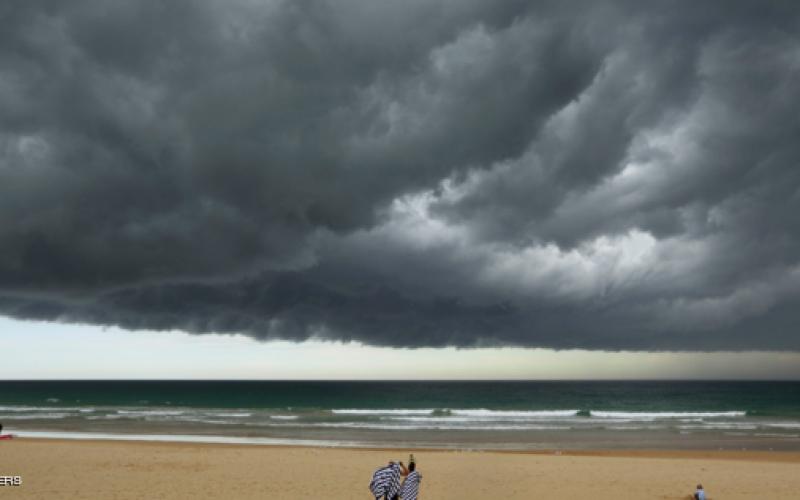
(599, 176)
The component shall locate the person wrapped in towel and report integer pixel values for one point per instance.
(385, 484)
(410, 488)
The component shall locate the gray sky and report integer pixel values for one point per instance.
(569, 175)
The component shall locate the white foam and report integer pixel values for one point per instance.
(151, 413)
(666, 414)
(228, 414)
(22, 408)
(38, 416)
(477, 420)
(43, 408)
(443, 419)
(720, 426)
(484, 413)
(474, 413)
(633, 427)
(784, 425)
(284, 417)
(206, 421)
(421, 426)
(359, 411)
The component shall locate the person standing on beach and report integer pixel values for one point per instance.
(410, 488)
(699, 494)
(385, 484)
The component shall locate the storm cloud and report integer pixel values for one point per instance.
(601, 175)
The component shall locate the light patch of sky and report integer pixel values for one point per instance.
(37, 350)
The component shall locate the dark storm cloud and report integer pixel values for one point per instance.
(605, 175)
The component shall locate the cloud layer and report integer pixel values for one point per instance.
(608, 176)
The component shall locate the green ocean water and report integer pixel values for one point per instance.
(754, 398)
(461, 414)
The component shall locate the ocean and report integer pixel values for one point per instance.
(460, 415)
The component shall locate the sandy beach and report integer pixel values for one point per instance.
(60, 469)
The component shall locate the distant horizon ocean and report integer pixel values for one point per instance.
(437, 414)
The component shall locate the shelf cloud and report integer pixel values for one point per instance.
(612, 175)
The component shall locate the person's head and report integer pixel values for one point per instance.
(699, 486)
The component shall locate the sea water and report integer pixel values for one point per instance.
(505, 415)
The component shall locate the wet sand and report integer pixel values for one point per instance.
(60, 469)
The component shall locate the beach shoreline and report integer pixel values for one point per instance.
(52, 468)
(661, 453)
(518, 441)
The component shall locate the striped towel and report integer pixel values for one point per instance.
(410, 488)
(386, 481)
